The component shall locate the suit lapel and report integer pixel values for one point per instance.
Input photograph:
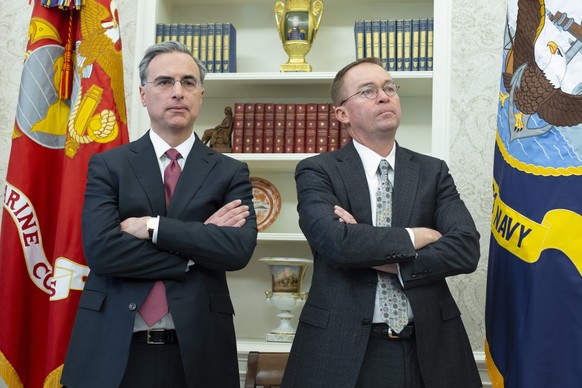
(142, 159)
(351, 170)
(406, 181)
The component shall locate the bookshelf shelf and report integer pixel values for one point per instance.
(262, 85)
(274, 237)
(271, 162)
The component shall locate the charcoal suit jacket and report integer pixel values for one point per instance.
(126, 182)
(335, 323)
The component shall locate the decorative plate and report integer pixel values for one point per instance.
(267, 202)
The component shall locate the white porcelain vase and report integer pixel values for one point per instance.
(286, 293)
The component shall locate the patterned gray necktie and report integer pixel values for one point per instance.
(393, 301)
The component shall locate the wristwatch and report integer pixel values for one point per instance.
(151, 224)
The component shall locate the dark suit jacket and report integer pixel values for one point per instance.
(335, 322)
(126, 182)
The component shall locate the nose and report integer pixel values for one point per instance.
(177, 89)
(382, 94)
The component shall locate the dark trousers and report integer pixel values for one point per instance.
(154, 366)
(390, 364)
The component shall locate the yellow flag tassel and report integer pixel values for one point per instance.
(67, 75)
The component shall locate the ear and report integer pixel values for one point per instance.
(142, 95)
(342, 115)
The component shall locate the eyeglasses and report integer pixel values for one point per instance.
(167, 83)
(371, 92)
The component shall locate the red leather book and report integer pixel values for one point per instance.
(248, 133)
(259, 128)
(268, 128)
(344, 135)
(333, 138)
(238, 127)
(279, 130)
(289, 134)
(322, 130)
(300, 113)
(310, 127)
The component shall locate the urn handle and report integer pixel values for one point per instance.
(279, 18)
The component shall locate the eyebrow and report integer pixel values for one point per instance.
(372, 84)
(168, 77)
(366, 85)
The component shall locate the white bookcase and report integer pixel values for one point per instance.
(424, 96)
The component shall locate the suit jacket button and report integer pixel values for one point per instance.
(366, 322)
(132, 306)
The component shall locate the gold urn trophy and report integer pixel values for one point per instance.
(297, 23)
(286, 281)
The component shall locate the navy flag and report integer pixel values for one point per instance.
(534, 284)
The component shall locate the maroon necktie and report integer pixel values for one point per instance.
(155, 307)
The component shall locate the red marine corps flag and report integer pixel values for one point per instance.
(71, 105)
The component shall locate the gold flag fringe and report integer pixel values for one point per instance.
(8, 373)
(53, 380)
(494, 374)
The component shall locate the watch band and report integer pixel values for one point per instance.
(150, 225)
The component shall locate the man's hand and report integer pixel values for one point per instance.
(136, 226)
(424, 236)
(344, 215)
(232, 214)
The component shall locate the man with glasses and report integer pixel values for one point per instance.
(386, 226)
(164, 218)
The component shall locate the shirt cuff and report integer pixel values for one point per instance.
(411, 234)
(156, 223)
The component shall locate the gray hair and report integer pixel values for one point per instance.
(167, 47)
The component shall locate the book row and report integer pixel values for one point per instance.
(286, 128)
(213, 43)
(401, 45)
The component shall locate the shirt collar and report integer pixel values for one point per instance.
(160, 146)
(371, 159)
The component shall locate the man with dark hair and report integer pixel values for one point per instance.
(164, 217)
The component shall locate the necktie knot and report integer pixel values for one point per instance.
(173, 154)
(383, 168)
